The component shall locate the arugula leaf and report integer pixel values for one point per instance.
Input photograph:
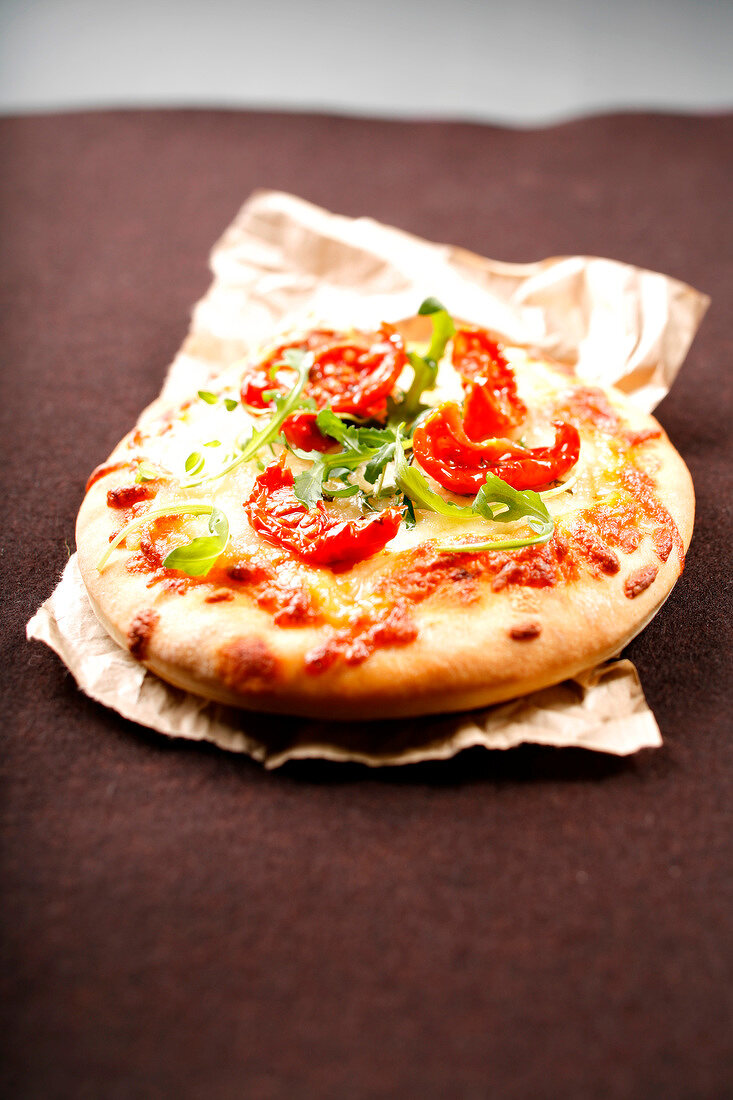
(513, 505)
(410, 520)
(372, 448)
(197, 556)
(375, 466)
(145, 472)
(185, 508)
(300, 361)
(308, 486)
(413, 485)
(208, 397)
(194, 463)
(348, 491)
(425, 367)
(230, 404)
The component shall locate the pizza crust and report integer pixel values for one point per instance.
(504, 644)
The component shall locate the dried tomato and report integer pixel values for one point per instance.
(443, 448)
(492, 404)
(316, 536)
(350, 374)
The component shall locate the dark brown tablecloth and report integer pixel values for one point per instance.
(177, 922)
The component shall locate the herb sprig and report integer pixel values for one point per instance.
(495, 501)
(426, 366)
(370, 448)
(301, 363)
(197, 556)
(218, 525)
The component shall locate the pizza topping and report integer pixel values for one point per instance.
(641, 487)
(355, 643)
(350, 375)
(594, 549)
(442, 447)
(589, 405)
(219, 595)
(638, 581)
(274, 590)
(140, 632)
(617, 522)
(300, 363)
(636, 437)
(512, 505)
(525, 632)
(127, 495)
(662, 539)
(492, 405)
(425, 367)
(211, 399)
(197, 557)
(316, 535)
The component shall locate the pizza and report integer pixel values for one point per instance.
(417, 519)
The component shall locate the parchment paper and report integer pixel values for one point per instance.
(284, 262)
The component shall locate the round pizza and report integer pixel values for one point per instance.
(417, 519)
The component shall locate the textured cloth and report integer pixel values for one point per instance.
(176, 921)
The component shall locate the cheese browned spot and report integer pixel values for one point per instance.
(127, 495)
(636, 438)
(246, 663)
(662, 539)
(524, 632)
(638, 581)
(140, 632)
(355, 643)
(219, 595)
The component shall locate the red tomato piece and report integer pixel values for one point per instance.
(443, 448)
(316, 536)
(353, 374)
(301, 430)
(258, 377)
(493, 405)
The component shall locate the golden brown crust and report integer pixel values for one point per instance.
(472, 641)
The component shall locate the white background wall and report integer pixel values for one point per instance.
(517, 61)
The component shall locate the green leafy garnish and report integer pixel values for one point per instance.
(300, 362)
(213, 443)
(145, 472)
(372, 448)
(426, 366)
(211, 399)
(197, 556)
(194, 463)
(495, 501)
(185, 508)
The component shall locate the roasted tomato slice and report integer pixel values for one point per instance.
(351, 374)
(492, 405)
(258, 377)
(302, 431)
(443, 448)
(315, 536)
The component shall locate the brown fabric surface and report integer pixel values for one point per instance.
(177, 922)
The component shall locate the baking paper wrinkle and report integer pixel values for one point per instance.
(284, 262)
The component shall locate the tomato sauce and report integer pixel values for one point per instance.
(642, 487)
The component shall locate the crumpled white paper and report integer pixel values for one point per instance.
(283, 262)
